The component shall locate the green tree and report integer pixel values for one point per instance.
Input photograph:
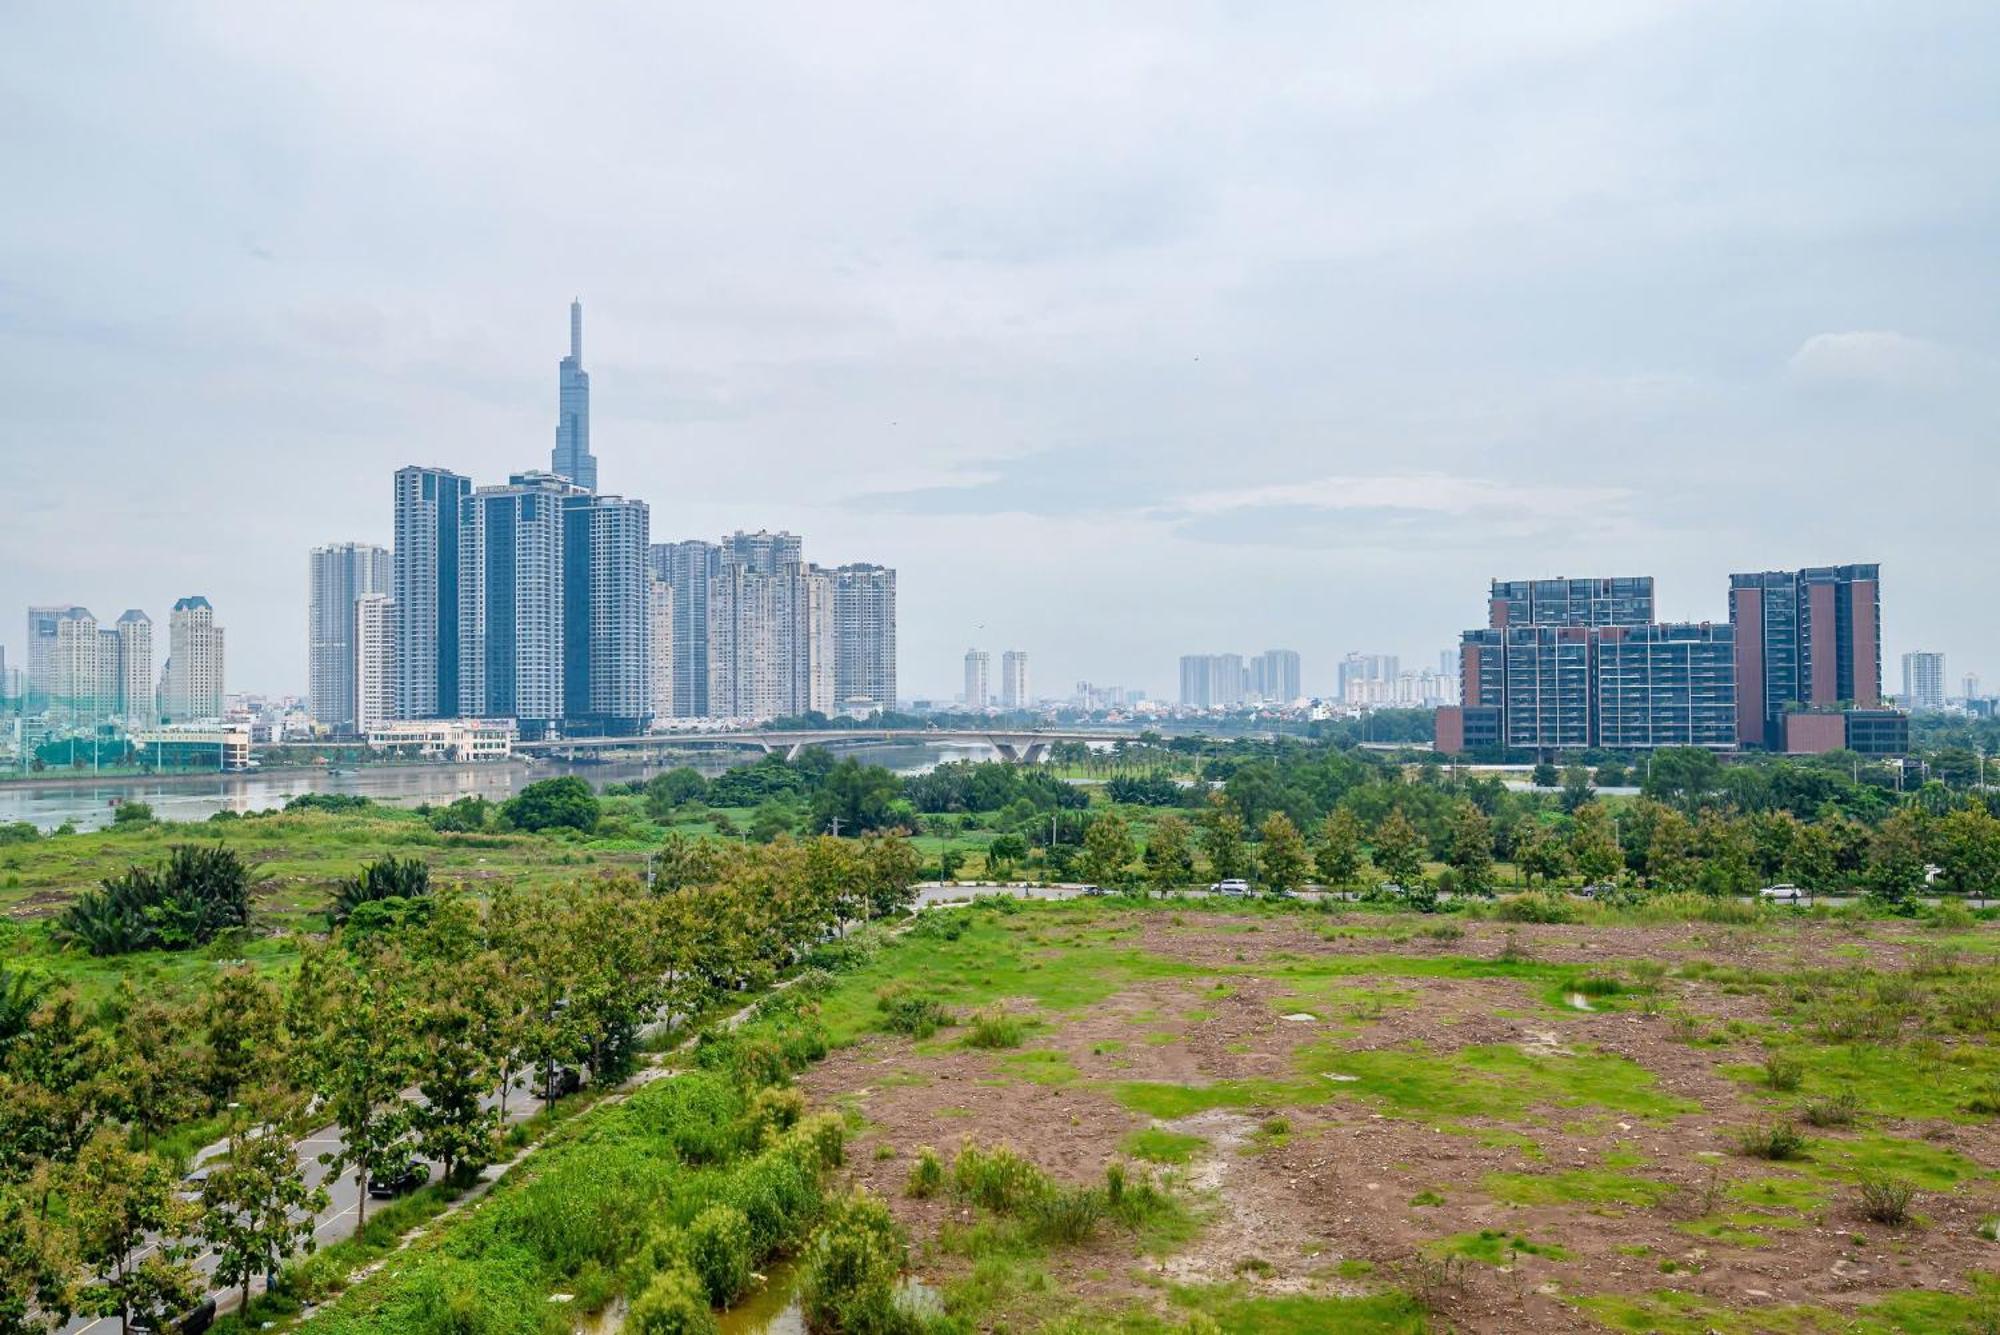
(668, 791)
(1539, 853)
(1575, 787)
(860, 797)
(1005, 852)
(1968, 846)
(1107, 849)
(120, 1201)
(1169, 854)
(1472, 850)
(1222, 841)
(1545, 775)
(1399, 849)
(1723, 852)
(1812, 862)
(256, 1207)
(38, 1268)
(353, 1020)
(1281, 854)
(1593, 845)
(1682, 776)
(890, 870)
(550, 804)
(1896, 859)
(1338, 856)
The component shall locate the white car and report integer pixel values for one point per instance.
(1782, 894)
(1231, 887)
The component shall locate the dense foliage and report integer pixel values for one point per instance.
(188, 901)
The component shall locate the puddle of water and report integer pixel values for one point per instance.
(1341, 1079)
(771, 1310)
(1580, 1002)
(1306, 1016)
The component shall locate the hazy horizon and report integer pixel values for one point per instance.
(1121, 334)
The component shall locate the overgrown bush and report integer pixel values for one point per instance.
(189, 900)
(718, 1252)
(1832, 1110)
(994, 1029)
(1065, 1214)
(926, 1175)
(905, 1011)
(1783, 1072)
(1886, 1197)
(998, 1179)
(1778, 1140)
(385, 879)
(673, 1303)
(1542, 907)
(851, 1270)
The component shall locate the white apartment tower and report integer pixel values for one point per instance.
(607, 648)
(374, 662)
(978, 678)
(337, 575)
(1923, 681)
(660, 633)
(193, 685)
(134, 637)
(864, 631)
(1014, 679)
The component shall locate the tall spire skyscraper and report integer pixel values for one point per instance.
(572, 457)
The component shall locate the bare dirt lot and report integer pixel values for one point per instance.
(1529, 1126)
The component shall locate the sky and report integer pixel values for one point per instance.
(1122, 331)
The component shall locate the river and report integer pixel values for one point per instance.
(183, 797)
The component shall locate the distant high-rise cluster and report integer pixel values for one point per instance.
(978, 679)
(1566, 664)
(544, 601)
(1224, 681)
(1365, 681)
(83, 674)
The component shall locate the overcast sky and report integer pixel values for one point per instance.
(1122, 331)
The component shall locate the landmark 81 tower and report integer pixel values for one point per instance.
(572, 457)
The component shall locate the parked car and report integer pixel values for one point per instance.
(562, 1082)
(1782, 894)
(1231, 887)
(1598, 889)
(1093, 889)
(399, 1180)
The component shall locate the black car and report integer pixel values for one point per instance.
(399, 1181)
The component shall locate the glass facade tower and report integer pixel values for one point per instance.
(572, 458)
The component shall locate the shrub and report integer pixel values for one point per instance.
(998, 1179)
(1514, 952)
(1783, 1073)
(995, 1029)
(1538, 907)
(926, 1175)
(672, 1304)
(851, 1271)
(1598, 985)
(192, 898)
(906, 1012)
(1779, 1140)
(779, 1195)
(718, 1251)
(1833, 1110)
(773, 1112)
(389, 878)
(1065, 1214)
(1114, 1183)
(1885, 1197)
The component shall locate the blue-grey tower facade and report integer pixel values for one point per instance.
(425, 580)
(572, 457)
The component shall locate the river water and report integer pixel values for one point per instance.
(197, 797)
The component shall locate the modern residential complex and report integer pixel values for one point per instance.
(1014, 680)
(192, 687)
(607, 643)
(1212, 681)
(978, 679)
(1365, 678)
(864, 638)
(1274, 677)
(337, 577)
(1806, 641)
(374, 662)
(687, 568)
(1923, 682)
(510, 599)
(771, 642)
(1565, 665)
(425, 588)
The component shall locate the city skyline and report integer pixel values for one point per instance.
(1394, 314)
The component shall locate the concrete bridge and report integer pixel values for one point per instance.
(1019, 746)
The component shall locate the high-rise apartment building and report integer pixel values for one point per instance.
(337, 575)
(763, 552)
(1571, 602)
(134, 639)
(1213, 681)
(44, 624)
(76, 681)
(771, 639)
(660, 635)
(1014, 680)
(864, 635)
(375, 676)
(571, 457)
(1666, 685)
(689, 567)
(978, 680)
(193, 686)
(425, 589)
(510, 602)
(607, 682)
(1923, 681)
(1363, 679)
(1806, 639)
(1275, 678)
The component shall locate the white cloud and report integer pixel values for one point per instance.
(1878, 357)
(1417, 493)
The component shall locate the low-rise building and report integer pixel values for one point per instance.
(454, 739)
